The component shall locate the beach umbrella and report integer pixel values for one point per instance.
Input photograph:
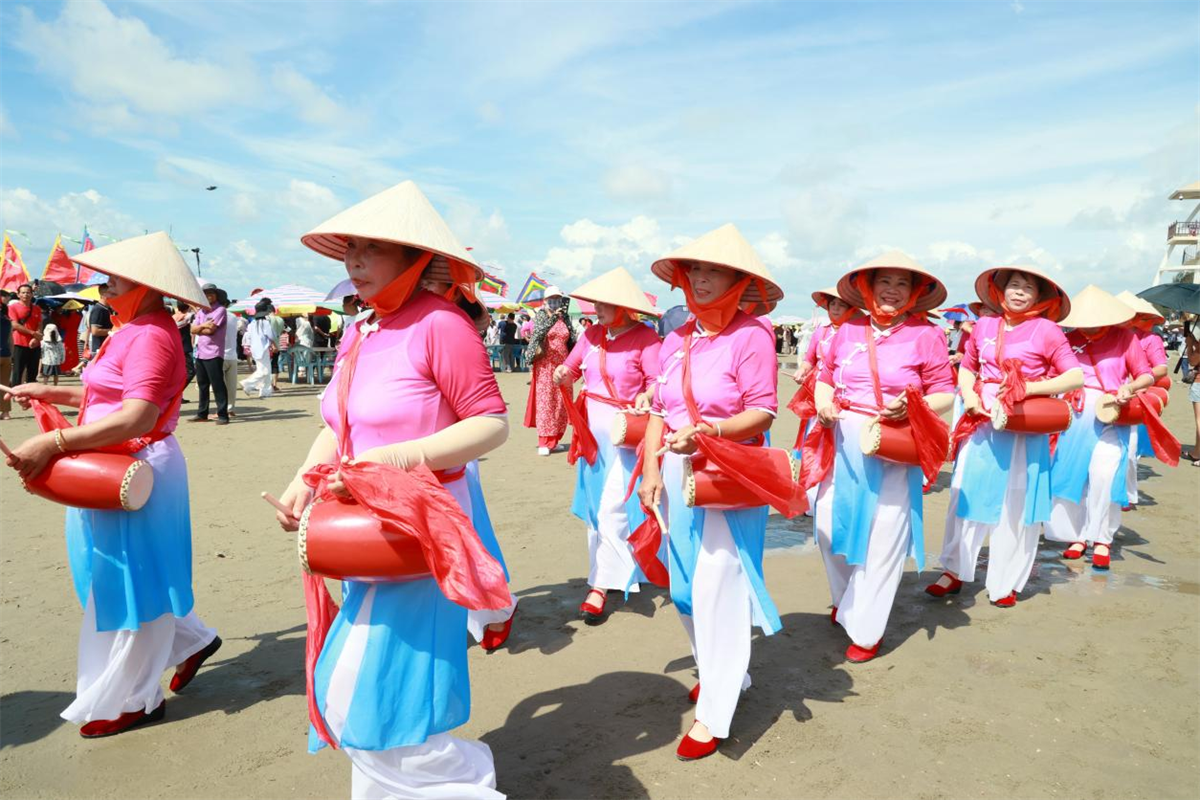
(289, 300)
(343, 288)
(47, 288)
(1175, 296)
(957, 313)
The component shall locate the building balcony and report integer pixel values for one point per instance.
(1184, 231)
(1191, 257)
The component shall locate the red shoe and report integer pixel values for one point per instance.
(694, 694)
(858, 654)
(833, 616)
(692, 750)
(1071, 553)
(1006, 602)
(188, 669)
(1101, 561)
(492, 639)
(935, 589)
(99, 728)
(592, 613)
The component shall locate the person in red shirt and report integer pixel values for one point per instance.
(26, 320)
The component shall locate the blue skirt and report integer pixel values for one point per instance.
(137, 564)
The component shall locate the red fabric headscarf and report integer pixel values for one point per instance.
(394, 295)
(715, 315)
(864, 282)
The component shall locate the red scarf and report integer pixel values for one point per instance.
(394, 295)
(715, 315)
(1050, 309)
(863, 281)
(126, 306)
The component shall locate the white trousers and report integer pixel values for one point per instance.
(260, 382)
(1131, 462)
(609, 553)
(229, 368)
(864, 593)
(122, 671)
(478, 619)
(719, 625)
(1097, 518)
(1014, 545)
(443, 766)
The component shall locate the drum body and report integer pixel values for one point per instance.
(344, 541)
(1164, 383)
(1109, 412)
(890, 441)
(1034, 415)
(705, 486)
(101, 481)
(629, 429)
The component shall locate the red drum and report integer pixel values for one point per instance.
(891, 441)
(1034, 415)
(629, 429)
(1164, 382)
(343, 541)
(1109, 412)
(103, 481)
(705, 486)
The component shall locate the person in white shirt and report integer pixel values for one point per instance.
(260, 337)
(229, 365)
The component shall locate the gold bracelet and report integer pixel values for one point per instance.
(58, 440)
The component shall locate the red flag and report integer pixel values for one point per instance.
(59, 267)
(12, 271)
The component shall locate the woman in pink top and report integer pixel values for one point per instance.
(618, 361)
(1142, 325)
(1000, 486)
(391, 679)
(1087, 479)
(132, 569)
(868, 515)
(726, 360)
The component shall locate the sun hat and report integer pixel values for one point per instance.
(1095, 308)
(552, 291)
(998, 276)
(1141, 308)
(401, 214)
(822, 296)
(725, 247)
(896, 260)
(617, 287)
(152, 260)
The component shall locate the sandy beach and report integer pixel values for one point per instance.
(1089, 688)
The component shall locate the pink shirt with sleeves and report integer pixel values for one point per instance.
(1110, 361)
(911, 353)
(423, 369)
(1038, 343)
(732, 372)
(631, 361)
(142, 360)
(1152, 346)
(818, 345)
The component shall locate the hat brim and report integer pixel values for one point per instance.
(664, 269)
(928, 301)
(821, 297)
(333, 245)
(999, 276)
(117, 272)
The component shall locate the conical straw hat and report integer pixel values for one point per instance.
(822, 296)
(152, 260)
(1000, 276)
(1141, 307)
(725, 247)
(1095, 308)
(401, 214)
(616, 287)
(893, 259)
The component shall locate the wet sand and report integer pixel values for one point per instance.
(1090, 687)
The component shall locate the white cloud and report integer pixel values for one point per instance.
(244, 208)
(41, 220)
(308, 204)
(773, 249)
(483, 232)
(636, 182)
(121, 70)
(309, 101)
(591, 248)
(825, 222)
(490, 113)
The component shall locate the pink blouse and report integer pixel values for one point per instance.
(818, 345)
(1110, 361)
(142, 360)
(1152, 346)
(630, 359)
(732, 371)
(1038, 343)
(419, 370)
(911, 353)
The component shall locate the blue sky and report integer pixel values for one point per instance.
(568, 138)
